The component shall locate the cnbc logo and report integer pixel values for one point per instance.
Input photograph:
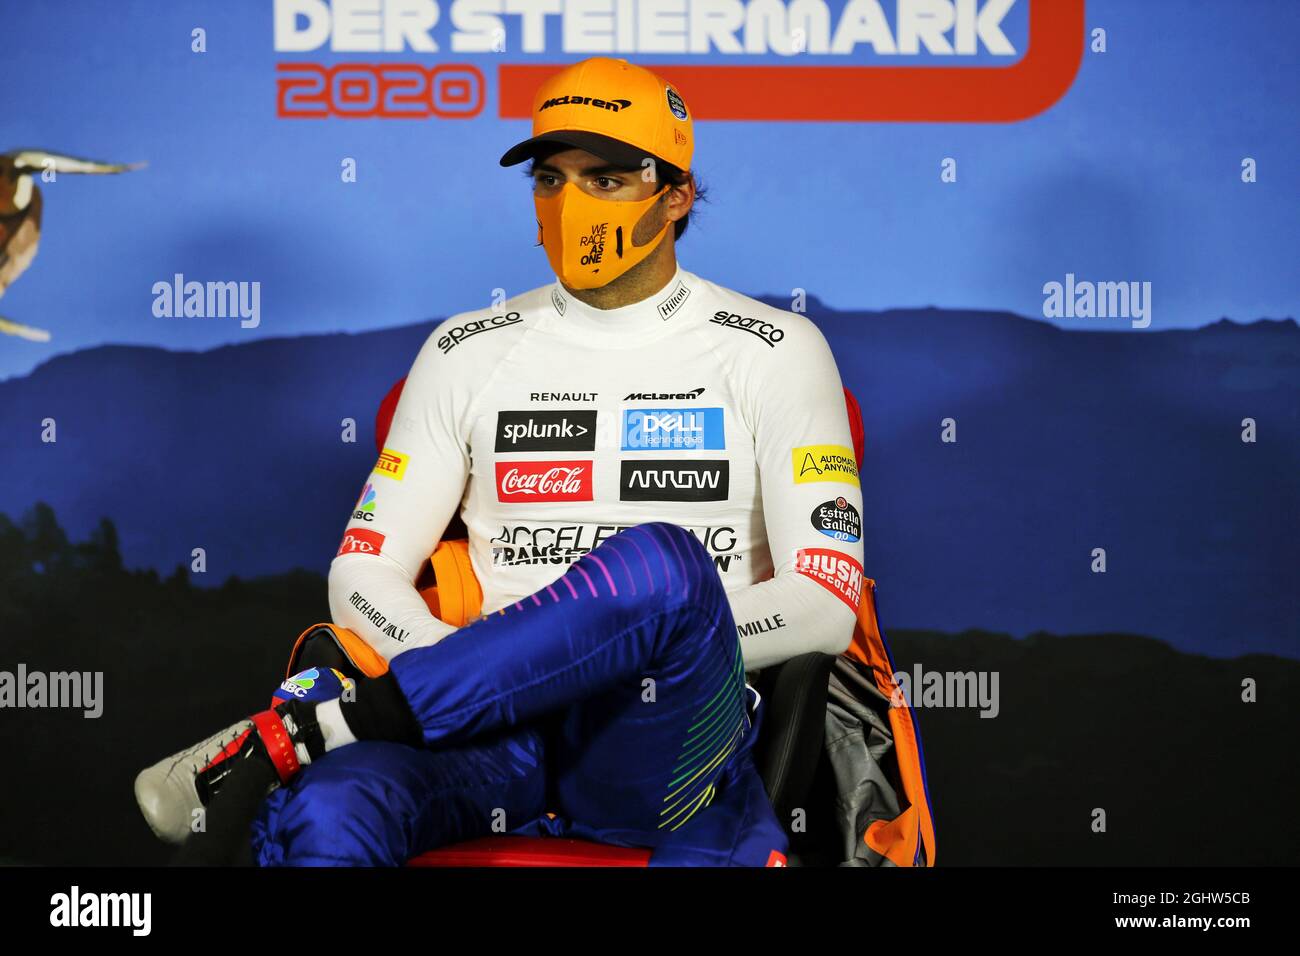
(365, 504)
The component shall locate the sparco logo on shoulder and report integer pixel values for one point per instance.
(663, 396)
(450, 339)
(766, 331)
(614, 105)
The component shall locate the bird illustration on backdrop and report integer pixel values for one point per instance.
(20, 215)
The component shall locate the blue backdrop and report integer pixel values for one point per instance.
(1100, 436)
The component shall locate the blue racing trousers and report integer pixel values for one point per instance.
(611, 705)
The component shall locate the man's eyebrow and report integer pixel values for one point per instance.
(605, 169)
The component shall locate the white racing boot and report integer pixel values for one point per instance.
(173, 792)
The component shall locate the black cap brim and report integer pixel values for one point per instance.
(621, 154)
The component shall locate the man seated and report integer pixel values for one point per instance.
(656, 477)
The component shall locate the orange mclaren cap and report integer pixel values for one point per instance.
(618, 111)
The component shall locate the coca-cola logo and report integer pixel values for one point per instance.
(560, 481)
(544, 480)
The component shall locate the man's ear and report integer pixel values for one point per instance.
(680, 199)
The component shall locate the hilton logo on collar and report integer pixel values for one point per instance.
(674, 301)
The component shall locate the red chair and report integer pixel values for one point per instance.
(507, 850)
(532, 851)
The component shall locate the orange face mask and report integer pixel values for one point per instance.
(589, 240)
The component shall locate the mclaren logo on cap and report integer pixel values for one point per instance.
(614, 105)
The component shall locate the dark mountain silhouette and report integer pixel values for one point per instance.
(1160, 740)
(1067, 441)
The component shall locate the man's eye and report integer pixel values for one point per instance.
(544, 179)
(606, 183)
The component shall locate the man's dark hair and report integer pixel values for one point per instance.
(667, 172)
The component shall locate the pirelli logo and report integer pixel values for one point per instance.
(392, 464)
(824, 463)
